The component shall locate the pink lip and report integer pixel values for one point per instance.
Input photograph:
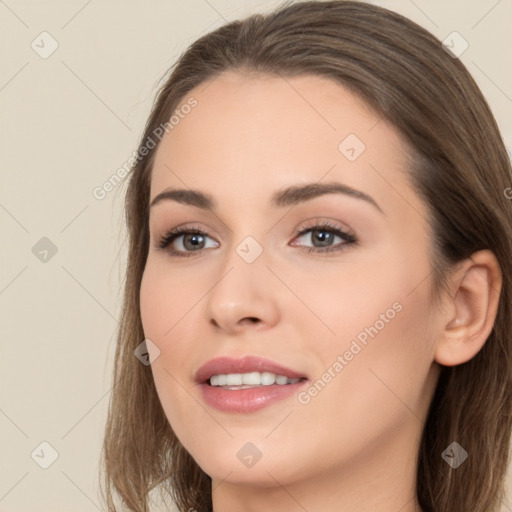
(245, 400)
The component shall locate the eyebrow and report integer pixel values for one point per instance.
(289, 196)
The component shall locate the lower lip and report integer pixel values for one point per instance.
(250, 399)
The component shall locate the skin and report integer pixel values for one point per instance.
(249, 136)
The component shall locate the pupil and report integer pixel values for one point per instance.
(194, 239)
(325, 238)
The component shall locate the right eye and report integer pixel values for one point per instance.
(192, 238)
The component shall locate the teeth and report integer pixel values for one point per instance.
(267, 378)
(281, 379)
(250, 379)
(234, 379)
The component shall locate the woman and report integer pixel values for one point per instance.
(318, 292)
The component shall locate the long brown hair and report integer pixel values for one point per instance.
(460, 168)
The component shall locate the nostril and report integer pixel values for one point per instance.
(251, 319)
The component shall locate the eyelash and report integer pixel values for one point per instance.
(348, 238)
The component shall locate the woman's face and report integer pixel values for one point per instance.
(349, 316)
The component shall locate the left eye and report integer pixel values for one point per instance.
(325, 234)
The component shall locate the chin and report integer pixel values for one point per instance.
(241, 462)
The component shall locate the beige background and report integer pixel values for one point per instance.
(69, 121)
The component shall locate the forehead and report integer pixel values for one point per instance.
(254, 132)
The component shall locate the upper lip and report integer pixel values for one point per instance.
(225, 365)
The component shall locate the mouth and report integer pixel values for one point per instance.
(247, 371)
(234, 381)
(248, 384)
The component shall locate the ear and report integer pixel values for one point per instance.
(472, 307)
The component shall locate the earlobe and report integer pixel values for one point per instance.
(476, 288)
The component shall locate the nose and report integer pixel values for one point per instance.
(244, 297)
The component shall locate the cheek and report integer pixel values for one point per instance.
(374, 296)
(170, 302)
(154, 303)
(166, 299)
(166, 307)
(383, 332)
(381, 358)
